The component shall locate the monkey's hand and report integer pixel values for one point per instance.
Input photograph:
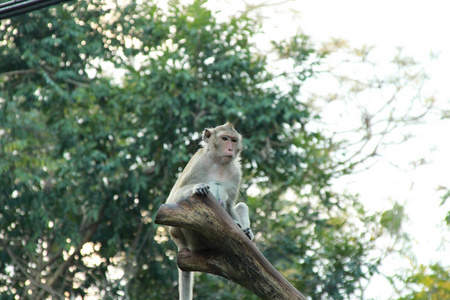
(202, 189)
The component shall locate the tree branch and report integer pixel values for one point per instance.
(29, 275)
(18, 72)
(234, 256)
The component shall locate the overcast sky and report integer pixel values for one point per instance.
(420, 27)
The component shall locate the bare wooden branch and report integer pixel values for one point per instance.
(235, 257)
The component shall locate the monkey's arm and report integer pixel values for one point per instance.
(181, 192)
(186, 181)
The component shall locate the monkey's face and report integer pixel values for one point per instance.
(223, 143)
(228, 146)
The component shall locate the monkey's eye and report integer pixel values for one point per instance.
(234, 140)
(224, 138)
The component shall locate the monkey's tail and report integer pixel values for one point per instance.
(185, 284)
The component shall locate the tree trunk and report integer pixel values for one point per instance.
(235, 257)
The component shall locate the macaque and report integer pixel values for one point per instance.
(214, 168)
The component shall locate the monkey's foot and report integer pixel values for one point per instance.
(248, 232)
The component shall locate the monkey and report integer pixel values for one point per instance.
(215, 168)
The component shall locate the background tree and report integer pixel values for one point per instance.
(425, 282)
(379, 100)
(101, 106)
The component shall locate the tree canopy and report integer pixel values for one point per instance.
(101, 106)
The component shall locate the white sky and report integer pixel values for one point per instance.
(420, 27)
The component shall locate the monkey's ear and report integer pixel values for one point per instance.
(206, 135)
(229, 125)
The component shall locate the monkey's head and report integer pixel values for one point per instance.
(223, 142)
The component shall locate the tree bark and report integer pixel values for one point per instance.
(235, 257)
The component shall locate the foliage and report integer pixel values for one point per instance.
(88, 155)
(427, 283)
(444, 198)
(392, 219)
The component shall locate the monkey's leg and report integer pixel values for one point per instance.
(185, 284)
(242, 211)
